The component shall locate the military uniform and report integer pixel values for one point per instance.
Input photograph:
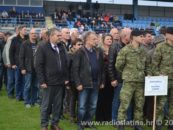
(132, 63)
(162, 64)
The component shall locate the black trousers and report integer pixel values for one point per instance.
(51, 104)
(73, 102)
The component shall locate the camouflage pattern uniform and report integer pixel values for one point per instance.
(132, 63)
(162, 64)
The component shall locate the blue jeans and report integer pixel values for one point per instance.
(30, 88)
(1, 75)
(18, 83)
(87, 103)
(10, 81)
(116, 104)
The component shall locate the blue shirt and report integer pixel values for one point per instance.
(94, 64)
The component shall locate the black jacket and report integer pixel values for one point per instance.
(15, 49)
(26, 56)
(51, 67)
(71, 55)
(2, 44)
(82, 68)
(113, 52)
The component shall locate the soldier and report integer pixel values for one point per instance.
(162, 64)
(132, 63)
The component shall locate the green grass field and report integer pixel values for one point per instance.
(14, 116)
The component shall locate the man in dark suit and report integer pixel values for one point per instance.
(52, 71)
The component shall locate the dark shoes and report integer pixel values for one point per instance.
(55, 127)
(73, 120)
(158, 127)
(170, 127)
(44, 128)
(138, 127)
(62, 117)
(92, 127)
(120, 127)
(80, 127)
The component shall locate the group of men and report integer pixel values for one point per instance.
(43, 70)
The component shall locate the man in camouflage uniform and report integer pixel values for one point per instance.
(162, 64)
(132, 63)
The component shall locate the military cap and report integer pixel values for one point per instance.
(169, 30)
(137, 32)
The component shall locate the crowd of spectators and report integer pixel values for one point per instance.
(100, 21)
(20, 14)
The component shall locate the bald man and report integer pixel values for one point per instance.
(26, 64)
(116, 80)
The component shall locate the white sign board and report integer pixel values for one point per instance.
(156, 85)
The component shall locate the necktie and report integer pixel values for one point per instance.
(57, 50)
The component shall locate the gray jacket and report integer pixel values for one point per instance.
(5, 53)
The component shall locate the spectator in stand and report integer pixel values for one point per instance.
(78, 23)
(13, 13)
(4, 14)
(64, 17)
(7, 63)
(14, 60)
(106, 18)
(104, 104)
(26, 64)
